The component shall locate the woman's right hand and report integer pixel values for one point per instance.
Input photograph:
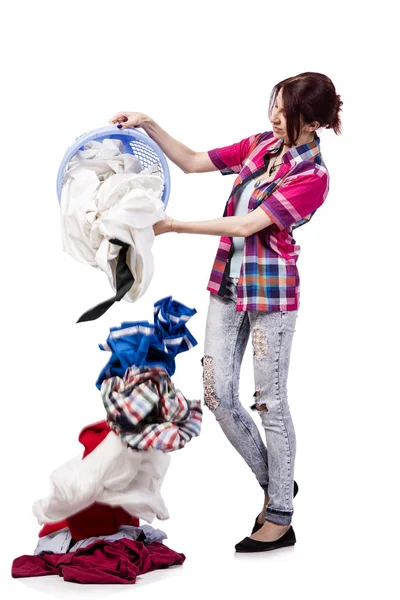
(128, 119)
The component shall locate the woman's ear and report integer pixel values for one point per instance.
(314, 126)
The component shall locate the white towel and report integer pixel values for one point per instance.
(107, 195)
(112, 474)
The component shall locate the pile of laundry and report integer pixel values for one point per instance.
(103, 543)
(109, 205)
(91, 531)
(114, 559)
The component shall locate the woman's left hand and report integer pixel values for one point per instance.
(163, 226)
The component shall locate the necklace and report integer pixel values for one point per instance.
(273, 168)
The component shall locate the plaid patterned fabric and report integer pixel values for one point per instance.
(146, 411)
(269, 279)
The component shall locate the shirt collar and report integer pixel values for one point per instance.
(303, 152)
(296, 155)
(275, 146)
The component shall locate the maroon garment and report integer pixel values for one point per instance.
(101, 562)
(97, 519)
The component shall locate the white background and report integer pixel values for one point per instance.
(204, 71)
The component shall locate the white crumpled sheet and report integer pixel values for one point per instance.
(107, 195)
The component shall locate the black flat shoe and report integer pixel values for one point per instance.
(249, 545)
(258, 525)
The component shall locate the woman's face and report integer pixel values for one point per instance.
(279, 123)
(278, 118)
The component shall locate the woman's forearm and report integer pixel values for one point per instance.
(229, 226)
(241, 226)
(180, 154)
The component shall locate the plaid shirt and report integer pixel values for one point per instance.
(269, 279)
(146, 410)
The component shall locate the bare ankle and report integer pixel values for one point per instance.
(261, 516)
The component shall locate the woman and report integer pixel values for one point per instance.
(281, 180)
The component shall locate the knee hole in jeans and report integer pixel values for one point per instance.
(210, 398)
(259, 340)
(257, 394)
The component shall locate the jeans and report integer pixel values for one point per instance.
(227, 334)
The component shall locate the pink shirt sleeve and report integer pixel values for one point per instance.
(298, 197)
(229, 159)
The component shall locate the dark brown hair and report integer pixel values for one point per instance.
(311, 96)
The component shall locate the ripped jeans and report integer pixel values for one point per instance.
(227, 334)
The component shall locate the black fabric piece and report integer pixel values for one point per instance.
(124, 282)
(142, 538)
(222, 290)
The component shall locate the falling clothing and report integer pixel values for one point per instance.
(111, 474)
(147, 411)
(92, 435)
(106, 196)
(141, 343)
(98, 519)
(101, 562)
(62, 541)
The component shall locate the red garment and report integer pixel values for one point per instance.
(92, 435)
(101, 562)
(97, 519)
